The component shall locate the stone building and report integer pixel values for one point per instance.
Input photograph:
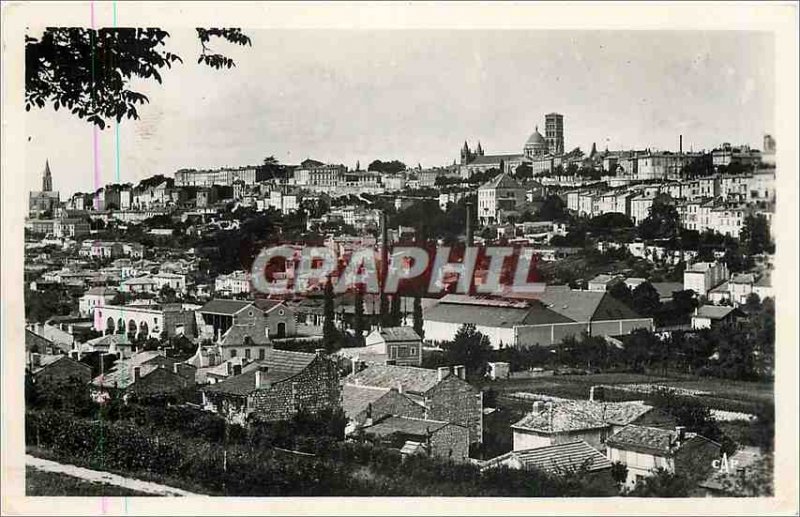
(145, 374)
(419, 436)
(277, 387)
(58, 369)
(364, 405)
(444, 395)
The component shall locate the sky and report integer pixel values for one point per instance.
(343, 96)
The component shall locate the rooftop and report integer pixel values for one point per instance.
(575, 415)
(414, 380)
(555, 459)
(224, 307)
(405, 425)
(281, 365)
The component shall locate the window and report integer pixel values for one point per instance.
(233, 352)
(413, 351)
(261, 354)
(247, 353)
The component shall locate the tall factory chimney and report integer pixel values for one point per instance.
(384, 271)
(469, 235)
(680, 145)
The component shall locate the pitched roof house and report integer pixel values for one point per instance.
(276, 387)
(443, 393)
(563, 458)
(564, 421)
(644, 449)
(418, 435)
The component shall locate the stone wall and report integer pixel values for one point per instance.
(454, 400)
(159, 381)
(451, 442)
(315, 388)
(63, 371)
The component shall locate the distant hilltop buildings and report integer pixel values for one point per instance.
(46, 200)
(536, 147)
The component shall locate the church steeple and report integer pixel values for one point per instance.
(479, 151)
(47, 179)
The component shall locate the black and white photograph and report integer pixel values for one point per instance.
(376, 252)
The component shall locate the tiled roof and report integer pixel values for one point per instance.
(714, 312)
(491, 159)
(392, 334)
(742, 458)
(493, 316)
(267, 305)
(355, 399)
(585, 305)
(575, 415)
(743, 278)
(109, 339)
(414, 380)
(100, 291)
(501, 181)
(555, 459)
(281, 364)
(665, 289)
(651, 439)
(405, 425)
(122, 375)
(237, 334)
(227, 307)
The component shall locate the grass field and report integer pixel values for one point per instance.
(41, 483)
(722, 394)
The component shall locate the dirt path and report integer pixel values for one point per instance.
(106, 477)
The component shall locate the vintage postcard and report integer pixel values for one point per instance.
(399, 258)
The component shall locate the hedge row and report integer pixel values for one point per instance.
(244, 469)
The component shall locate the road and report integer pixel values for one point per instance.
(106, 477)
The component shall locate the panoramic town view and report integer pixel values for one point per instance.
(545, 280)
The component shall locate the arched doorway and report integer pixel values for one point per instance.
(281, 330)
(109, 326)
(121, 326)
(144, 331)
(131, 329)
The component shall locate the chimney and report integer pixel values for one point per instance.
(237, 369)
(550, 414)
(680, 145)
(399, 387)
(36, 359)
(229, 368)
(175, 368)
(591, 394)
(261, 377)
(469, 236)
(681, 432)
(460, 371)
(137, 372)
(442, 372)
(70, 328)
(537, 406)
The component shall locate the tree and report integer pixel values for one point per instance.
(646, 299)
(469, 348)
(524, 171)
(755, 236)
(395, 315)
(663, 221)
(330, 336)
(553, 209)
(619, 473)
(358, 316)
(168, 294)
(390, 167)
(621, 292)
(688, 412)
(89, 71)
(662, 483)
(418, 323)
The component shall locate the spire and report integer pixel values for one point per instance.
(47, 179)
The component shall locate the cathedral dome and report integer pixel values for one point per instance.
(536, 139)
(536, 144)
